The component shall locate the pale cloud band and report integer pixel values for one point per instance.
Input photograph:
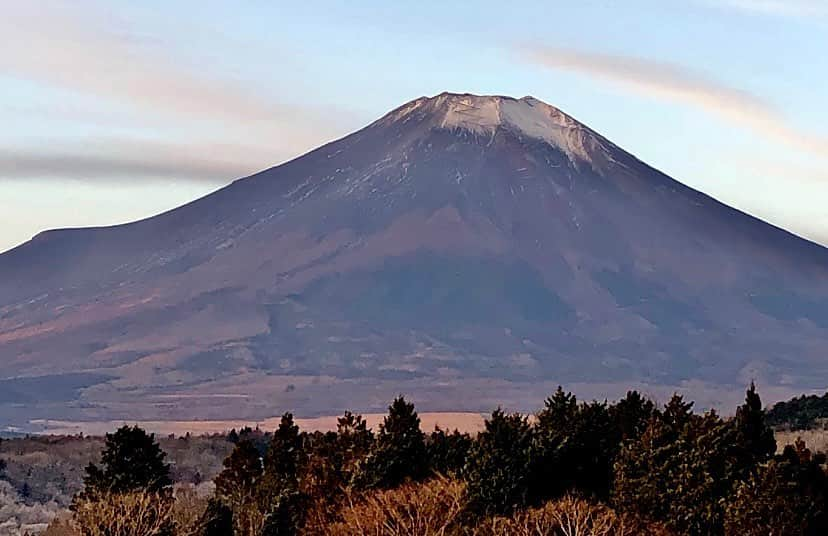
(75, 47)
(673, 83)
(115, 159)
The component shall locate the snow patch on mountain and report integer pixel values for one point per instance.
(484, 115)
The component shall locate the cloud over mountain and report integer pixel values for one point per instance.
(674, 83)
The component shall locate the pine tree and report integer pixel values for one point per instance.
(753, 441)
(786, 495)
(497, 471)
(132, 465)
(131, 461)
(237, 484)
(551, 432)
(676, 472)
(323, 477)
(641, 472)
(698, 478)
(574, 449)
(632, 414)
(353, 443)
(400, 452)
(677, 413)
(448, 452)
(280, 498)
(217, 520)
(594, 442)
(285, 516)
(283, 458)
(559, 411)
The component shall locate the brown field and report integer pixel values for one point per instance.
(463, 421)
(816, 440)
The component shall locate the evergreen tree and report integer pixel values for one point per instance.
(354, 441)
(641, 469)
(353, 434)
(237, 484)
(131, 461)
(677, 413)
(132, 465)
(497, 471)
(284, 456)
(285, 515)
(588, 456)
(753, 441)
(552, 428)
(447, 453)
(631, 415)
(559, 411)
(676, 472)
(280, 498)
(323, 476)
(217, 520)
(574, 449)
(698, 478)
(399, 453)
(787, 496)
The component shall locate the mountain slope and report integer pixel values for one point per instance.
(458, 245)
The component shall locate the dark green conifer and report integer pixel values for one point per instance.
(497, 471)
(787, 495)
(632, 414)
(399, 453)
(217, 520)
(238, 482)
(677, 413)
(559, 411)
(676, 471)
(280, 498)
(754, 442)
(284, 455)
(131, 461)
(574, 449)
(448, 452)
(354, 441)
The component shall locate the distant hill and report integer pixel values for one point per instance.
(800, 413)
(467, 251)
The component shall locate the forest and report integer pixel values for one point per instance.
(572, 468)
(801, 413)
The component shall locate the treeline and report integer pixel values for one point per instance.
(624, 468)
(801, 413)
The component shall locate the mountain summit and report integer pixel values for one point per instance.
(466, 250)
(485, 115)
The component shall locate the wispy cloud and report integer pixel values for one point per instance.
(130, 159)
(674, 83)
(75, 47)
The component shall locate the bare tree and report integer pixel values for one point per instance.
(137, 513)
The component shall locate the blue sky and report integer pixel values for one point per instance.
(118, 110)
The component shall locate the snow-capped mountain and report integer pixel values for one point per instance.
(466, 250)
